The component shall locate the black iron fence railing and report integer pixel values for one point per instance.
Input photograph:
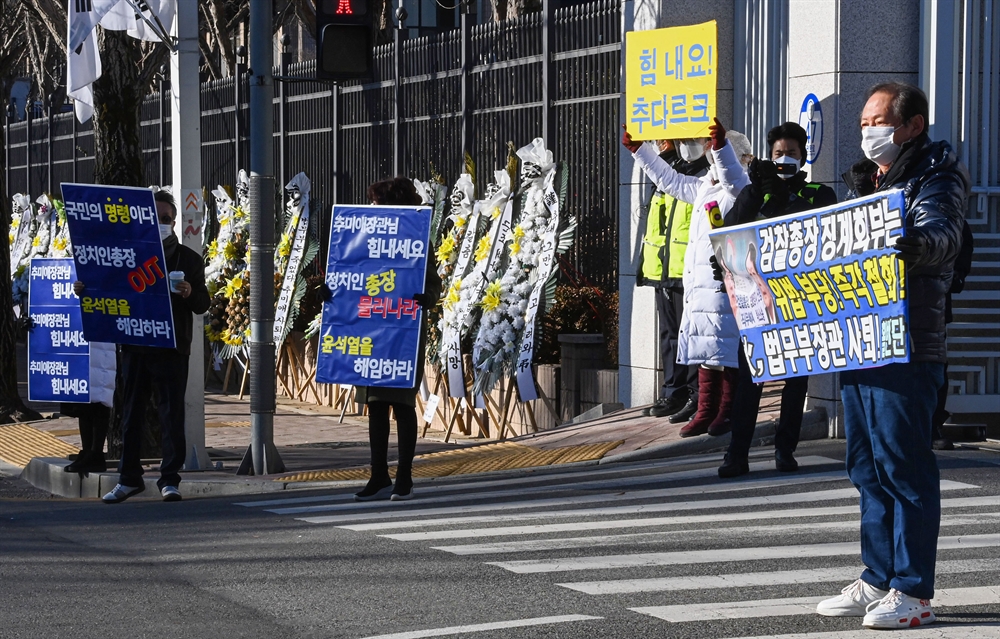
(347, 136)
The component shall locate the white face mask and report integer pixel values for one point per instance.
(166, 230)
(691, 150)
(877, 144)
(785, 159)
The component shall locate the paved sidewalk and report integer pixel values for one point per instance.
(316, 446)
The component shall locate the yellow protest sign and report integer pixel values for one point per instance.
(670, 78)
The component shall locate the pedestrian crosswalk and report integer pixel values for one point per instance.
(673, 544)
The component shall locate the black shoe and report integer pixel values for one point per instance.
(733, 467)
(668, 406)
(88, 462)
(687, 412)
(379, 488)
(77, 464)
(942, 444)
(784, 462)
(403, 490)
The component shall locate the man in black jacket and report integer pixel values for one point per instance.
(166, 369)
(888, 410)
(771, 195)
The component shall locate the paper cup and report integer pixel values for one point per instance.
(175, 278)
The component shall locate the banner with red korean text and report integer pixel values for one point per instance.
(119, 258)
(370, 334)
(670, 81)
(821, 291)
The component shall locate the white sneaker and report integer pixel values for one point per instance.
(852, 601)
(120, 493)
(170, 493)
(899, 610)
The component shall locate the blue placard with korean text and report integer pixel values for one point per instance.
(119, 258)
(58, 354)
(371, 326)
(819, 292)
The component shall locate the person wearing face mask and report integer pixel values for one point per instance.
(772, 194)
(888, 410)
(708, 336)
(661, 265)
(144, 367)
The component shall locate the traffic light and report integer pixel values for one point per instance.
(344, 40)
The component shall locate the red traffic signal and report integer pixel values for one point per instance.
(343, 40)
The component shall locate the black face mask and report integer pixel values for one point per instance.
(169, 245)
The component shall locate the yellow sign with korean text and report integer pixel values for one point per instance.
(670, 80)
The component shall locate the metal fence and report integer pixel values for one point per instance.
(471, 89)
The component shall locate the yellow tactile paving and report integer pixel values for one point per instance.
(227, 424)
(481, 459)
(19, 443)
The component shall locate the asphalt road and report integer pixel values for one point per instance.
(653, 549)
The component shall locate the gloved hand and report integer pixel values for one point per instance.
(324, 291)
(24, 324)
(764, 175)
(718, 134)
(628, 142)
(912, 246)
(425, 300)
(717, 273)
(861, 177)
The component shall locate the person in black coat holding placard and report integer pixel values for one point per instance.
(401, 192)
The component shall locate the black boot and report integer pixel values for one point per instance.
(406, 431)
(734, 467)
(77, 465)
(785, 462)
(380, 484)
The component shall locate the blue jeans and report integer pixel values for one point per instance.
(887, 417)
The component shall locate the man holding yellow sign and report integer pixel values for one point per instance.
(670, 78)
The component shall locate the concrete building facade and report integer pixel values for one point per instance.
(773, 55)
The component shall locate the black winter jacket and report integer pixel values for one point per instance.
(935, 187)
(751, 205)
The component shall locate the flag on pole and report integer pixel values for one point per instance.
(83, 67)
(84, 15)
(141, 18)
(158, 12)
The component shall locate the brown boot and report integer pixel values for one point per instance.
(709, 389)
(721, 425)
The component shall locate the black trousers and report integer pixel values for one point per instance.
(378, 437)
(93, 419)
(746, 406)
(167, 373)
(677, 378)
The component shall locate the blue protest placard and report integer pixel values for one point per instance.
(119, 258)
(371, 326)
(821, 291)
(58, 354)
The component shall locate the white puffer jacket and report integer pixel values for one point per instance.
(708, 333)
(102, 373)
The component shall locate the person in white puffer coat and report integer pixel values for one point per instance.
(708, 336)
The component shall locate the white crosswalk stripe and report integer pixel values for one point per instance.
(800, 606)
(596, 532)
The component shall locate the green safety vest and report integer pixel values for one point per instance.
(665, 240)
(808, 193)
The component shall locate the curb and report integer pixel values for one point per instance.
(47, 474)
(814, 426)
